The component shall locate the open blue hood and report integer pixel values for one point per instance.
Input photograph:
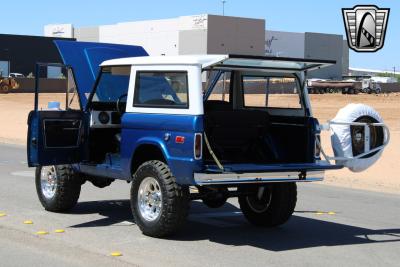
(85, 58)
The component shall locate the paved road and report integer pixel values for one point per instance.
(364, 231)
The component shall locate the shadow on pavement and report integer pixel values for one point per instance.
(227, 226)
(114, 212)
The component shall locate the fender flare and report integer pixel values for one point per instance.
(154, 142)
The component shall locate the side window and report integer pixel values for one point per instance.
(270, 92)
(56, 92)
(221, 88)
(161, 89)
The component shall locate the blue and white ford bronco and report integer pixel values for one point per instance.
(189, 128)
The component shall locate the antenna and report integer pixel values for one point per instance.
(223, 7)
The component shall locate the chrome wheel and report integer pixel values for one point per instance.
(48, 181)
(261, 201)
(150, 199)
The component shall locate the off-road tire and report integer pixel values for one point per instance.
(174, 205)
(281, 207)
(214, 201)
(67, 191)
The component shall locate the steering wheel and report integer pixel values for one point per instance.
(119, 102)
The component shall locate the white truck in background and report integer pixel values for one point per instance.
(350, 86)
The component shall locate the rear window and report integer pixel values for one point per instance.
(270, 92)
(161, 89)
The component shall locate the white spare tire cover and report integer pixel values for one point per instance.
(342, 140)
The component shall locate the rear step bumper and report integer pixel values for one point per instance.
(264, 177)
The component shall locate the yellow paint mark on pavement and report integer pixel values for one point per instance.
(2, 214)
(42, 233)
(28, 222)
(59, 231)
(116, 254)
(325, 213)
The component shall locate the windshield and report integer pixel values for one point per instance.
(113, 83)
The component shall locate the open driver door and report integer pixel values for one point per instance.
(57, 133)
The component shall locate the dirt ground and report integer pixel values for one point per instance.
(383, 176)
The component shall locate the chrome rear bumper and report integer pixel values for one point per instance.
(266, 177)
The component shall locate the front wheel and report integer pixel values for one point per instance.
(269, 205)
(159, 205)
(58, 187)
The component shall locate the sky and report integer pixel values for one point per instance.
(28, 18)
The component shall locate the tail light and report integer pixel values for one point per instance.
(317, 150)
(198, 145)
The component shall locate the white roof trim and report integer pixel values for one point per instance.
(203, 60)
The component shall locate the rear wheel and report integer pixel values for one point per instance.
(269, 205)
(214, 198)
(159, 205)
(58, 187)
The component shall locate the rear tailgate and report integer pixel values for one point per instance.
(263, 173)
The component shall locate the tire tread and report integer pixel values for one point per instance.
(177, 198)
(68, 190)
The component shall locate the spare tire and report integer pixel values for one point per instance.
(348, 141)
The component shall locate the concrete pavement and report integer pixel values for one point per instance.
(362, 229)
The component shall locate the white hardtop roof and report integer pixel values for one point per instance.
(227, 62)
(203, 60)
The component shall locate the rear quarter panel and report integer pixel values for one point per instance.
(140, 128)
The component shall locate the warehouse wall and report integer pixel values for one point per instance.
(87, 34)
(24, 52)
(192, 42)
(158, 37)
(284, 44)
(193, 34)
(325, 46)
(345, 58)
(233, 35)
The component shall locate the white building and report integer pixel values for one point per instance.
(59, 30)
(198, 34)
(211, 34)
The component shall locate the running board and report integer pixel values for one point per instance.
(266, 177)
